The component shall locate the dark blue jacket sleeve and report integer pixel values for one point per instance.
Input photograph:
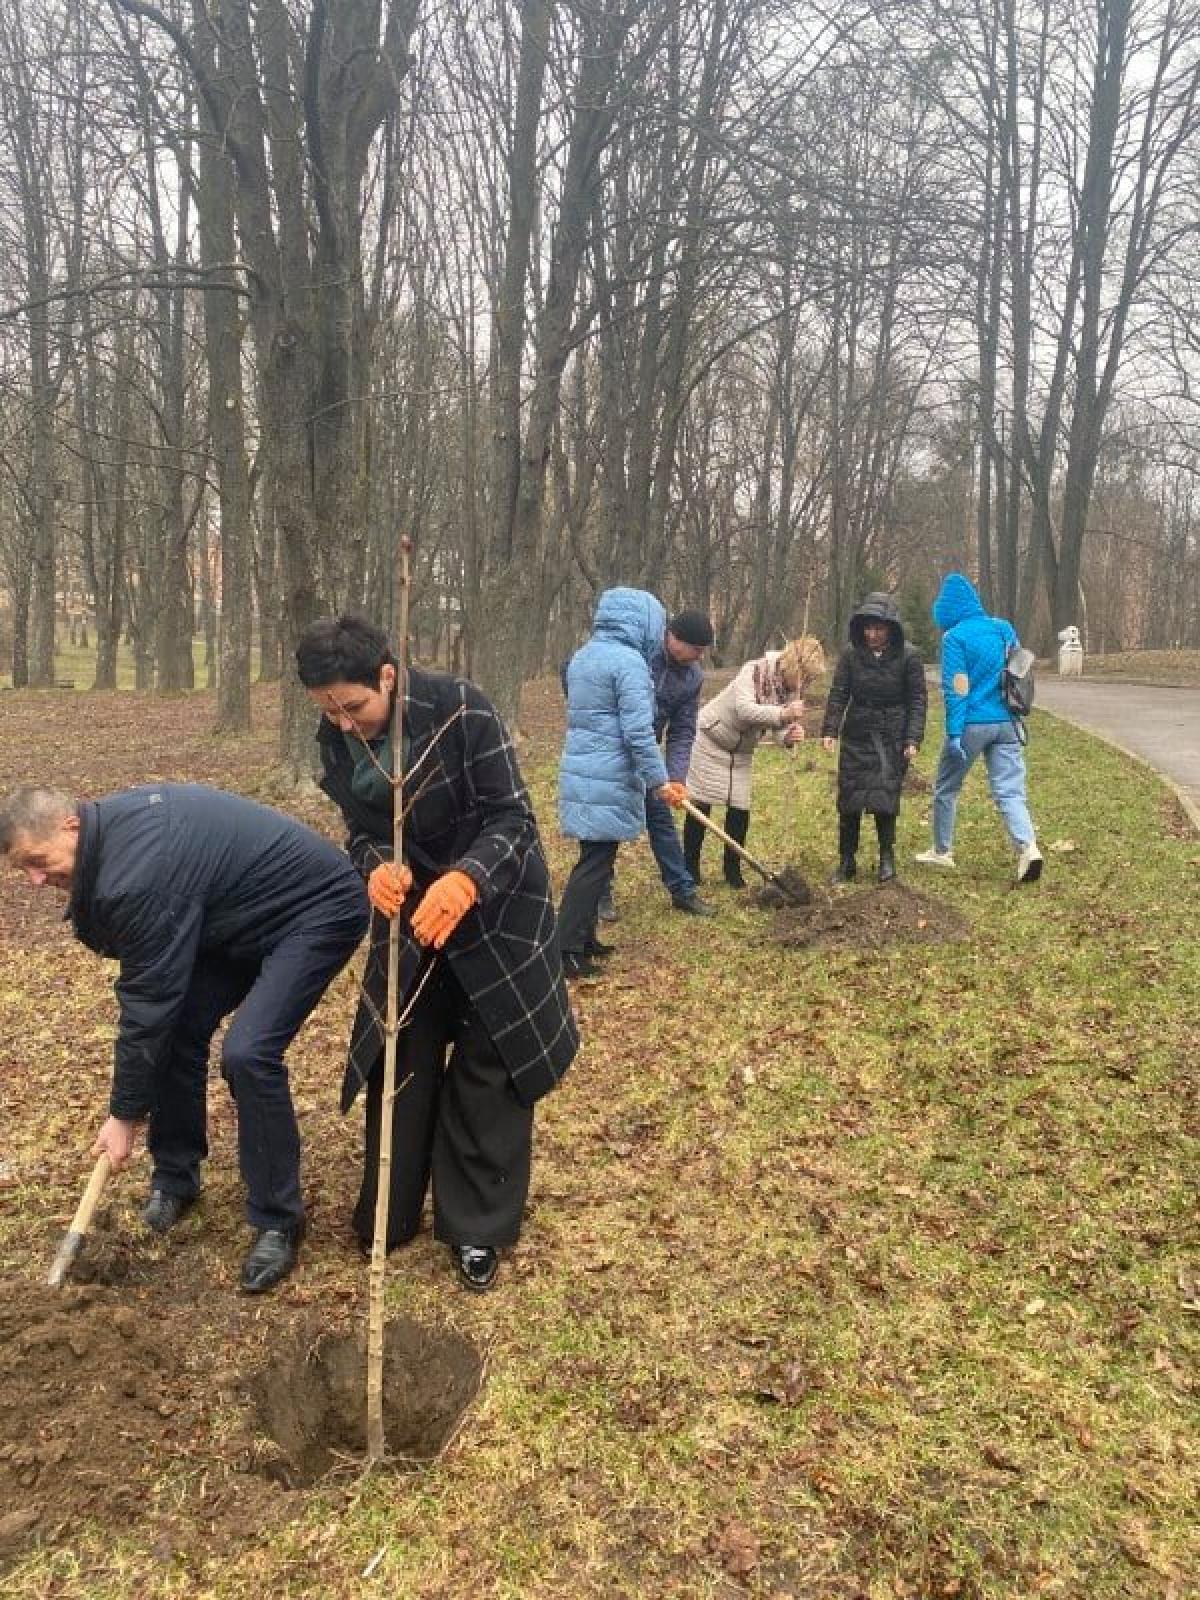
(158, 943)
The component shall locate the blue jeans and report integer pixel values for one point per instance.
(1004, 756)
(668, 851)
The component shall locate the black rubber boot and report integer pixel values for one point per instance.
(846, 870)
(737, 825)
(885, 827)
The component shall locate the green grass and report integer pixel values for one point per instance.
(76, 665)
(846, 1274)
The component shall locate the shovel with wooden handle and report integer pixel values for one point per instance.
(773, 878)
(81, 1224)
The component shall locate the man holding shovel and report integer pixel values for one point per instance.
(213, 905)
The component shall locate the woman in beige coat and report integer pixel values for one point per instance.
(767, 694)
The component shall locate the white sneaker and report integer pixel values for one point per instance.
(1029, 863)
(933, 857)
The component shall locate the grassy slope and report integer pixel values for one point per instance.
(1150, 666)
(845, 1274)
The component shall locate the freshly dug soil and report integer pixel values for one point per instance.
(871, 918)
(129, 1408)
(789, 889)
(117, 1254)
(312, 1401)
(91, 1408)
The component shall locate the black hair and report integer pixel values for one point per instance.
(346, 649)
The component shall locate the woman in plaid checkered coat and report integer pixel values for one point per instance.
(489, 1027)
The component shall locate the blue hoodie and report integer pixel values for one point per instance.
(611, 756)
(974, 648)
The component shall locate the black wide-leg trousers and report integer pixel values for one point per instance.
(456, 1121)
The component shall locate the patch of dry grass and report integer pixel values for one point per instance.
(1151, 666)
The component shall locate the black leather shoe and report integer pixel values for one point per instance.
(272, 1256)
(597, 950)
(845, 871)
(162, 1211)
(579, 966)
(887, 866)
(692, 905)
(478, 1265)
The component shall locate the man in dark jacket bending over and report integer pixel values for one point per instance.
(212, 904)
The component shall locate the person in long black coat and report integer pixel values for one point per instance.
(213, 905)
(876, 708)
(480, 965)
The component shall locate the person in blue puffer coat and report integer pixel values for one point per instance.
(611, 758)
(974, 649)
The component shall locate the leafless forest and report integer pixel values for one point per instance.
(751, 302)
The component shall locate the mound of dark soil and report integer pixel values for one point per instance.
(870, 918)
(90, 1407)
(790, 888)
(312, 1401)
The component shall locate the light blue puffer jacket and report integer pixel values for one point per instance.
(611, 756)
(974, 647)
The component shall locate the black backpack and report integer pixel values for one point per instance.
(1017, 686)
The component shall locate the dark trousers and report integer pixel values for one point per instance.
(737, 826)
(590, 877)
(272, 998)
(850, 827)
(457, 1121)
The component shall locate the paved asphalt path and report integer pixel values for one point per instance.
(1162, 725)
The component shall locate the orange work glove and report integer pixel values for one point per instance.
(674, 794)
(443, 906)
(387, 887)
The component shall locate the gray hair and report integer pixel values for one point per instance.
(33, 810)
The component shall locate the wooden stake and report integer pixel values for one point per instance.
(376, 1442)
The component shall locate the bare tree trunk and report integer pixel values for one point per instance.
(297, 112)
(516, 576)
(266, 584)
(226, 415)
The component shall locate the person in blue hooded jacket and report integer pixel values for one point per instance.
(974, 649)
(678, 679)
(611, 758)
